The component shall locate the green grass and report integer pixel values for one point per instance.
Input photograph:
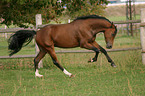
(92, 79)
(121, 18)
(11, 26)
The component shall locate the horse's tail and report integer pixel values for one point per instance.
(19, 39)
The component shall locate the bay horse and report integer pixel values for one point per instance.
(79, 33)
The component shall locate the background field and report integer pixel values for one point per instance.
(118, 13)
(92, 79)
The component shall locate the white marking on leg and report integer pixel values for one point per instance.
(92, 60)
(37, 74)
(67, 73)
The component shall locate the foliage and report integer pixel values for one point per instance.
(85, 7)
(22, 12)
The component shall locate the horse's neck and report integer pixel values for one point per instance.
(99, 27)
(98, 30)
(90, 25)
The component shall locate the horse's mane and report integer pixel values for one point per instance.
(91, 17)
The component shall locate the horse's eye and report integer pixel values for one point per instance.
(113, 34)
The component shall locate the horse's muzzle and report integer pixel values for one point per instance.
(109, 46)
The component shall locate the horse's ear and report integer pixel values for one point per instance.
(112, 24)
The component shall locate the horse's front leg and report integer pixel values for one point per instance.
(97, 51)
(95, 58)
(107, 56)
(90, 46)
(97, 46)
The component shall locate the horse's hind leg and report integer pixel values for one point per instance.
(37, 59)
(51, 51)
(90, 46)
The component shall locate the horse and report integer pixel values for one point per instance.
(81, 32)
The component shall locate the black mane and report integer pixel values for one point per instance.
(91, 17)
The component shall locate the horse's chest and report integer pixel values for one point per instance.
(92, 39)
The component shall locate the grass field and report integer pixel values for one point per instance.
(92, 79)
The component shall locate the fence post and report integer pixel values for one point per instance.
(142, 35)
(38, 19)
(6, 33)
(68, 20)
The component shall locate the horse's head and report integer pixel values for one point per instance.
(109, 35)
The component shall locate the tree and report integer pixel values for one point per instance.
(22, 12)
(86, 7)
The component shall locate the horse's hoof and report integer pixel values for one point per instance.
(91, 60)
(113, 65)
(40, 76)
(72, 76)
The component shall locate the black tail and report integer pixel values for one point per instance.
(17, 40)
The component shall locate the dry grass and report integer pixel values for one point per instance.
(121, 10)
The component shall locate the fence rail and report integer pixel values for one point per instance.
(127, 22)
(17, 56)
(70, 51)
(10, 30)
(142, 24)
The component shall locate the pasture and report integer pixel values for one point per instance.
(92, 79)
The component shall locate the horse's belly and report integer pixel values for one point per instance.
(69, 43)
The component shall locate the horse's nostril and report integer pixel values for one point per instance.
(109, 46)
